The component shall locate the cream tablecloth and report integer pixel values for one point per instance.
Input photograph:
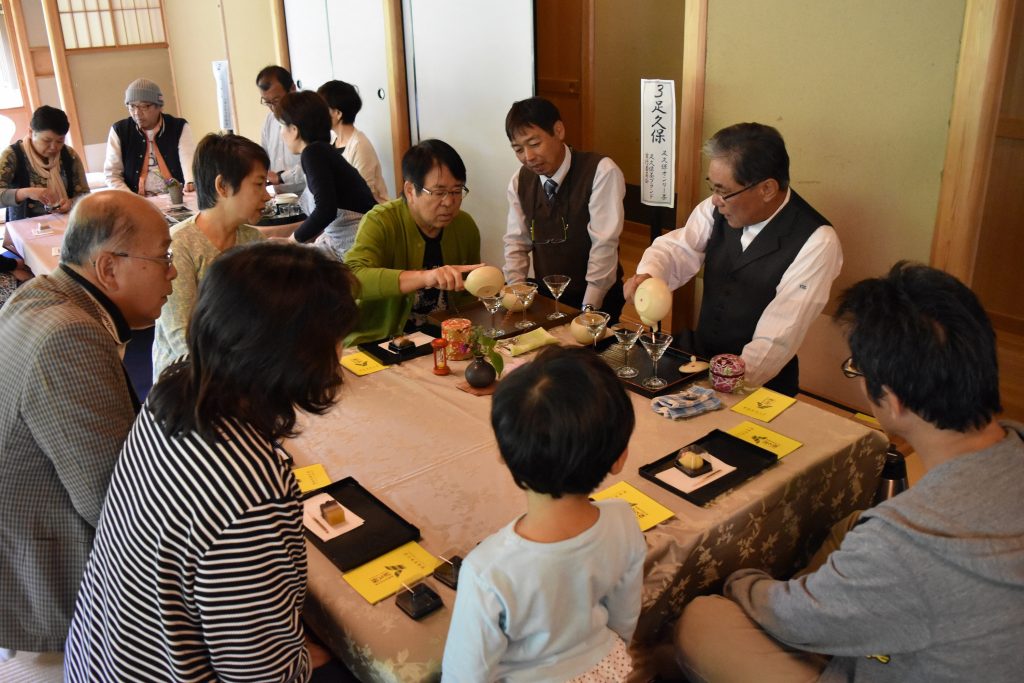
(426, 449)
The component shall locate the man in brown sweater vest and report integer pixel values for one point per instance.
(565, 210)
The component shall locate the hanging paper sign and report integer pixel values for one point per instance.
(657, 142)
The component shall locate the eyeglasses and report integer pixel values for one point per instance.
(144, 107)
(457, 193)
(272, 102)
(554, 240)
(727, 197)
(166, 259)
(849, 369)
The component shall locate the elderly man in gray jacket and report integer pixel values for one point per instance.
(67, 405)
(927, 586)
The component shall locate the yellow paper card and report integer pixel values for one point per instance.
(380, 578)
(311, 478)
(763, 405)
(648, 511)
(772, 442)
(361, 363)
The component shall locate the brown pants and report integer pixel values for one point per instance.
(717, 642)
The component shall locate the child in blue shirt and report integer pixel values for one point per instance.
(555, 595)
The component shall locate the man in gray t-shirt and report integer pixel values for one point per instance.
(929, 585)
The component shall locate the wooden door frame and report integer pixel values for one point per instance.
(984, 49)
(690, 142)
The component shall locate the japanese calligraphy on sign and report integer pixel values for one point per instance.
(657, 142)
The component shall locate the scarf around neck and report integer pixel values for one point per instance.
(48, 170)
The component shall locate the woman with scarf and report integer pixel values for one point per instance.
(38, 174)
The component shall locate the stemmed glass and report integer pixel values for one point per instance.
(492, 302)
(595, 322)
(626, 334)
(655, 343)
(524, 291)
(557, 285)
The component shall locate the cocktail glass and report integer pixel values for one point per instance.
(492, 302)
(557, 285)
(626, 334)
(524, 291)
(595, 322)
(655, 343)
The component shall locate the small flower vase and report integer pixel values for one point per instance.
(480, 373)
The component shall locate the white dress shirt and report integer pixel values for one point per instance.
(800, 296)
(605, 227)
(113, 165)
(286, 163)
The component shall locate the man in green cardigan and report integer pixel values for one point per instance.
(411, 253)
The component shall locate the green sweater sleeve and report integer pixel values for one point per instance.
(373, 257)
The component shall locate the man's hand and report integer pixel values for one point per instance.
(273, 178)
(190, 187)
(64, 206)
(629, 288)
(448, 278)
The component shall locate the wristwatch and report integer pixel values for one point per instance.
(587, 308)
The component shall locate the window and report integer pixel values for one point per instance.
(110, 23)
(10, 90)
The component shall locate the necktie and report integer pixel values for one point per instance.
(550, 188)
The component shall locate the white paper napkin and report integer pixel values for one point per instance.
(318, 525)
(673, 477)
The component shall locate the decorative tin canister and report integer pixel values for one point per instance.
(726, 372)
(456, 331)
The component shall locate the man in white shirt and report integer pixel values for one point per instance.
(149, 149)
(769, 258)
(565, 209)
(285, 172)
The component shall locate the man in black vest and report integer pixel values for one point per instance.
(769, 258)
(149, 149)
(565, 208)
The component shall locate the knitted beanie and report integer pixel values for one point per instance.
(143, 90)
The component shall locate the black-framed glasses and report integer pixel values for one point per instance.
(730, 195)
(140, 106)
(553, 240)
(849, 369)
(457, 193)
(272, 102)
(167, 259)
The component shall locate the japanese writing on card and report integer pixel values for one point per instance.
(657, 142)
(763, 405)
(391, 572)
(765, 438)
(648, 511)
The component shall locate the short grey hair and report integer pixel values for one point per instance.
(97, 222)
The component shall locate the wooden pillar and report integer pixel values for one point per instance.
(15, 17)
(280, 28)
(691, 139)
(394, 39)
(984, 45)
(55, 36)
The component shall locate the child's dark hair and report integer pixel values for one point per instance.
(561, 422)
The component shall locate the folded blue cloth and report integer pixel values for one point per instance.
(693, 401)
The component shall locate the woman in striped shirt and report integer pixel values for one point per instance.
(198, 572)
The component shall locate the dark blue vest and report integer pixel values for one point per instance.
(738, 284)
(133, 148)
(568, 215)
